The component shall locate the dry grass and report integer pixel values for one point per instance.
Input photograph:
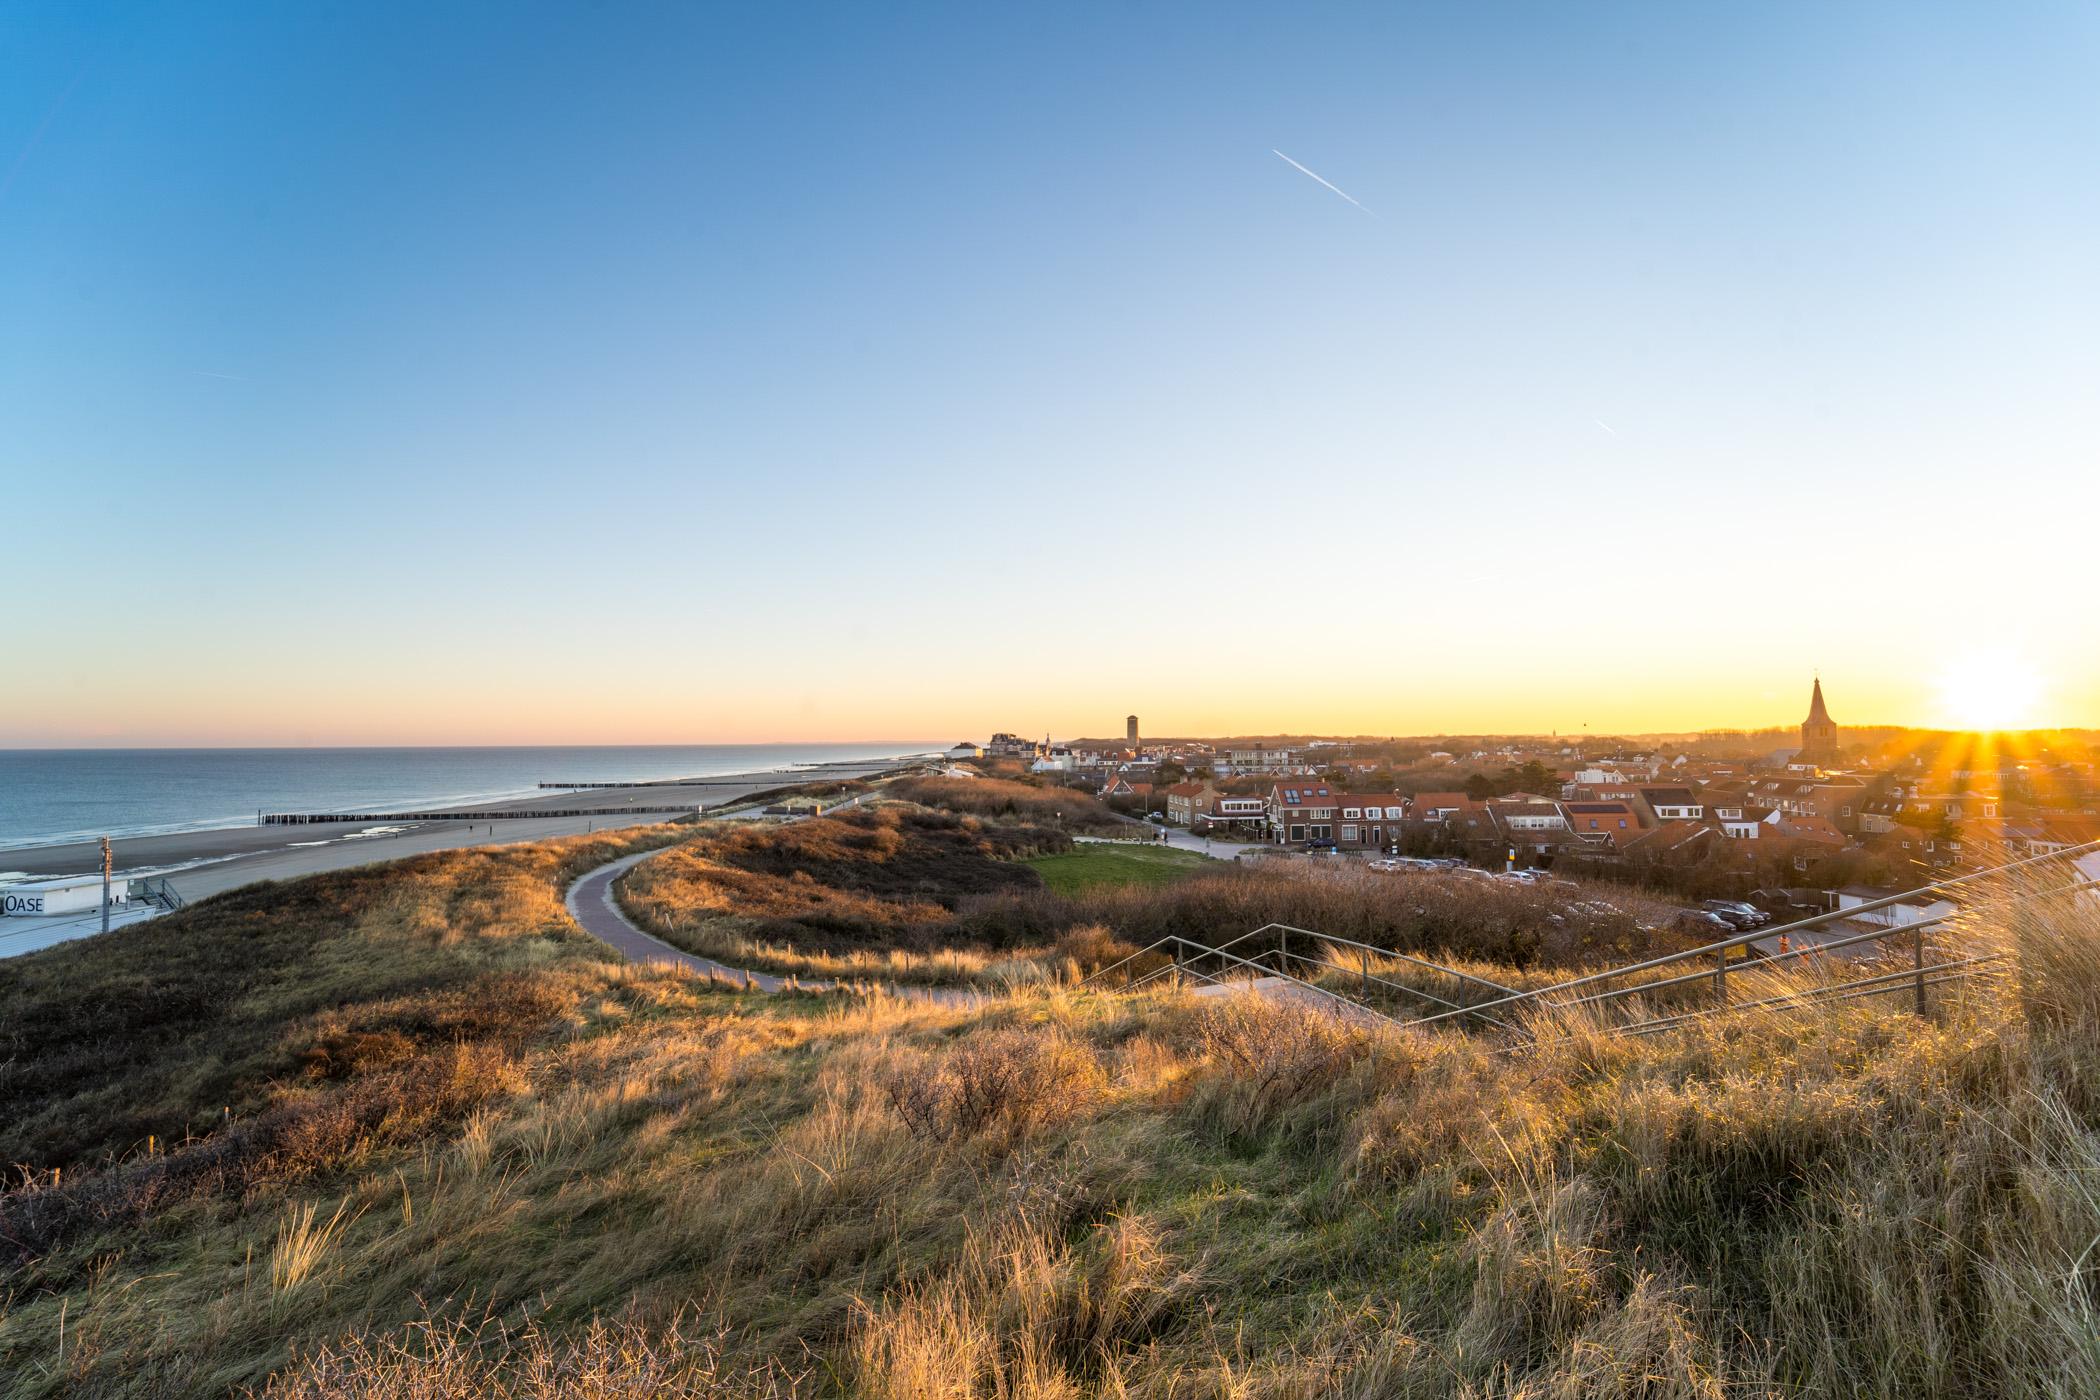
(864, 896)
(487, 1359)
(1011, 800)
(673, 1189)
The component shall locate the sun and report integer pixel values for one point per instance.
(1987, 691)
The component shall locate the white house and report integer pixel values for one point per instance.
(74, 894)
(1909, 911)
(963, 752)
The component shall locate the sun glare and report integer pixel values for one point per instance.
(1986, 691)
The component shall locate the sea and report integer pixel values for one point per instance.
(52, 797)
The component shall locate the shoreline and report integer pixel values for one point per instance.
(204, 862)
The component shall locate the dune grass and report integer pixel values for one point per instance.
(1012, 800)
(647, 1185)
(1090, 866)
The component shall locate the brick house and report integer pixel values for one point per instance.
(1369, 821)
(1190, 802)
(1302, 811)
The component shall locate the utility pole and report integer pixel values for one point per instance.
(105, 884)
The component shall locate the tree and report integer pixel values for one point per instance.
(1536, 777)
(1480, 787)
(1169, 772)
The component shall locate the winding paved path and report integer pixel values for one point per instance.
(591, 904)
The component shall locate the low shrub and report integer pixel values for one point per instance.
(1005, 1084)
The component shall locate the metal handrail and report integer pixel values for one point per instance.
(1162, 942)
(1281, 954)
(1810, 950)
(1274, 972)
(1726, 945)
(1310, 933)
(1389, 953)
(1899, 980)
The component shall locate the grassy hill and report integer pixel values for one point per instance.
(1092, 866)
(404, 1131)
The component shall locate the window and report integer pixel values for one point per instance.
(1297, 833)
(1349, 833)
(1352, 811)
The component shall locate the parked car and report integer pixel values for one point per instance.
(1704, 921)
(1742, 915)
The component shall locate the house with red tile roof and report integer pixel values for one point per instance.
(1605, 824)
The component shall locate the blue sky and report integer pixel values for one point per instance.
(639, 372)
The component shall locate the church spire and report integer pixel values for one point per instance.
(1816, 713)
(1819, 732)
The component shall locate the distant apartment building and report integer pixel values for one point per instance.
(1257, 761)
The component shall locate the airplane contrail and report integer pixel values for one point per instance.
(1606, 426)
(1330, 185)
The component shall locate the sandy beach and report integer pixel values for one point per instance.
(202, 863)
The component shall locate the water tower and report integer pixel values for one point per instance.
(1130, 730)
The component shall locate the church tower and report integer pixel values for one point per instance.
(1819, 732)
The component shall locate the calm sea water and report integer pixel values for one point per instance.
(49, 796)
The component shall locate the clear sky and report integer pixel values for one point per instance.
(521, 373)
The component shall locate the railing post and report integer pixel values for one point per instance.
(1177, 965)
(1721, 977)
(1363, 972)
(1918, 961)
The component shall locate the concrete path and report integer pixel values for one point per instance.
(592, 905)
(1180, 838)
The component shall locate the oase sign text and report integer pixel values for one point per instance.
(21, 904)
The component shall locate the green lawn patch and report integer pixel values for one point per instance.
(1092, 866)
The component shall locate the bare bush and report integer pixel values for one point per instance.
(1006, 1084)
